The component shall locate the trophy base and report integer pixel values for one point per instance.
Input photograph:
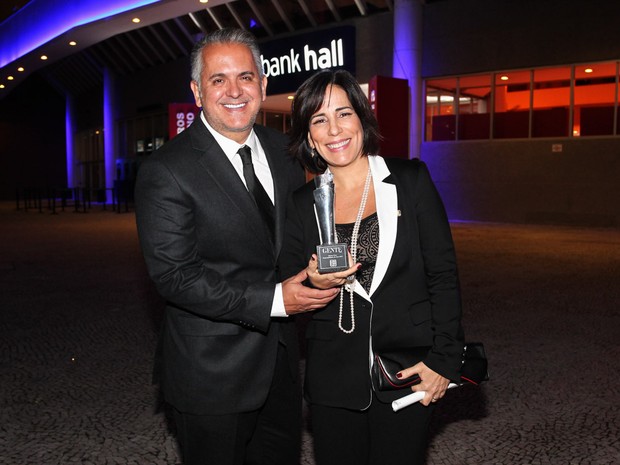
(332, 257)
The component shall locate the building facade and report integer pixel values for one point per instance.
(512, 104)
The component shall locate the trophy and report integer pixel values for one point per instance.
(332, 256)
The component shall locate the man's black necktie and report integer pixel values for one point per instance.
(261, 198)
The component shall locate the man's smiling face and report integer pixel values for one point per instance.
(231, 90)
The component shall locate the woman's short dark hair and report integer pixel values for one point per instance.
(308, 100)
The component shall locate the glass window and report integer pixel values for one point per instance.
(565, 101)
(552, 92)
(439, 111)
(594, 97)
(141, 135)
(90, 158)
(473, 107)
(274, 120)
(512, 104)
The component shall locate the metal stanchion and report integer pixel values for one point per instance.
(63, 199)
(117, 201)
(103, 196)
(76, 199)
(83, 200)
(48, 194)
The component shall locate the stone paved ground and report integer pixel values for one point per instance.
(78, 321)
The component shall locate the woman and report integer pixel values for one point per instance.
(403, 280)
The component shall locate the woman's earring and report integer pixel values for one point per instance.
(314, 153)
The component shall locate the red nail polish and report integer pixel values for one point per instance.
(399, 375)
(359, 266)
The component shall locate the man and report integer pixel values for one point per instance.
(228, 350)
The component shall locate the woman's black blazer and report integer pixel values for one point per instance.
(414, 299)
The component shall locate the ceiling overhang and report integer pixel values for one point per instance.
(107, 39)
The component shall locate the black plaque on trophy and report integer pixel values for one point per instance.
(332, 256)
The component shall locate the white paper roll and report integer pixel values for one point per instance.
(413, 398)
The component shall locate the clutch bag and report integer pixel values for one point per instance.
(386, 365)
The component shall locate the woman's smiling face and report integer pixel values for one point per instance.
(336, 131)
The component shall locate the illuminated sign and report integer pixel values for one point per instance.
(180, 117)
(289, 62)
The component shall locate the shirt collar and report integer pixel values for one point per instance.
(229, 146)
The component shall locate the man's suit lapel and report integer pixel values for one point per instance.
(221, 172)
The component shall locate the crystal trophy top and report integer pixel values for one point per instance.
(332, 256)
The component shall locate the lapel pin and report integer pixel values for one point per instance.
(398, 213)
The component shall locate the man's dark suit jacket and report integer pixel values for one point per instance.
(414, 298)
(211, 258)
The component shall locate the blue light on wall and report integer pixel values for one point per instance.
(406, 64)
(69, 141)
(43, 20)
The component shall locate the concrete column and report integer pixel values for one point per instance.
(70, 151)
(109, 130)
(407, 64)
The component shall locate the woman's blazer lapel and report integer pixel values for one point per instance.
(386, 199)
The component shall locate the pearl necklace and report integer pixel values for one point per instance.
(351, 285)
